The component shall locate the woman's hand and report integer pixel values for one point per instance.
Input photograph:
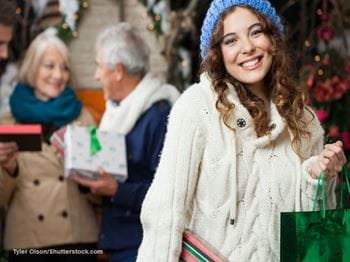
(8, 156)
(330, 161)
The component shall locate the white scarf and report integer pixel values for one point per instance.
(122, 118)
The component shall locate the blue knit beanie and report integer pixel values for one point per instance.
(217, 7)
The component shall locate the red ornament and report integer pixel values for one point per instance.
(322, 115)
(333, 131)
(347, 68)
(325, 17)
(345, 137)
(325, 33)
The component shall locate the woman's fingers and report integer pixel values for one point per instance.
(330, 160)
(7, 151)
(334, 152)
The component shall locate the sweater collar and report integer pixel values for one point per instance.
(243, 121)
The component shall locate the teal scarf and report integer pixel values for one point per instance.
(59, 111)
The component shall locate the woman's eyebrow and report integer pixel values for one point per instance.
(249, 28)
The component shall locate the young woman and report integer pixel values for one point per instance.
(44, 210)
(242, 144)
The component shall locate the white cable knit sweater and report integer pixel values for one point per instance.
(208, 175)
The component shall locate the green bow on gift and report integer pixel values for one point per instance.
(95, 145)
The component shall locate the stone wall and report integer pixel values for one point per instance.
(98, 15)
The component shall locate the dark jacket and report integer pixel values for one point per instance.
(121, 226)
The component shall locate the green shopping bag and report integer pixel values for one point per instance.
(317, 236)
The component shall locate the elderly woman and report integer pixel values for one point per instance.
(45, 211)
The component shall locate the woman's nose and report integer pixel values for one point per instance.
(247, 46)
(57, 72)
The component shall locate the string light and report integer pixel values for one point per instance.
(18, 11)
(317, 58)
(307, 43)
(319, 12)
(64, 26)
(150, 27)
(320, 72)
(85, 4)
(184, 63)
(157, 17)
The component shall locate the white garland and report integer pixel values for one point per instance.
(159, 8)
(39, 6)
(69, 8)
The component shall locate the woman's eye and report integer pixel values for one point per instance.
(257, 32)
(65, 68)
(49, 66)
(229, 41)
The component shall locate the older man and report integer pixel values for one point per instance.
(7, 20)
(138, 105)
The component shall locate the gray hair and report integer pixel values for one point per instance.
(34, 55)
(123, 44)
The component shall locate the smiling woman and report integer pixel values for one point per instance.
(44, 210)
(246, 49)
(52, 76)
(229, 138)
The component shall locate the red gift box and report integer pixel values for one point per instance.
(197, 250)
(27, 137)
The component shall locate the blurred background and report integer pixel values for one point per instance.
(318, 31)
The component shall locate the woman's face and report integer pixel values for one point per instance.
(246, 48)
(52, 76)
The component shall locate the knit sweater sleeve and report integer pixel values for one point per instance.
(167, 202)
(309, 184)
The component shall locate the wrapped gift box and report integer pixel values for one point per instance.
(57, 140)
(79, 160)
(27, 137)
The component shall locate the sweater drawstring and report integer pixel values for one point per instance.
(233, 211)
(233, 207)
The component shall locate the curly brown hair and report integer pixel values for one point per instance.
(8, 12)
(289, 98)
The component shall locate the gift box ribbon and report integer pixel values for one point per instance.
(95, 145)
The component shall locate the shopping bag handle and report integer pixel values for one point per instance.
(321, 181)
(346, 175)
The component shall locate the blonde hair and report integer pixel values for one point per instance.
(34, 55)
